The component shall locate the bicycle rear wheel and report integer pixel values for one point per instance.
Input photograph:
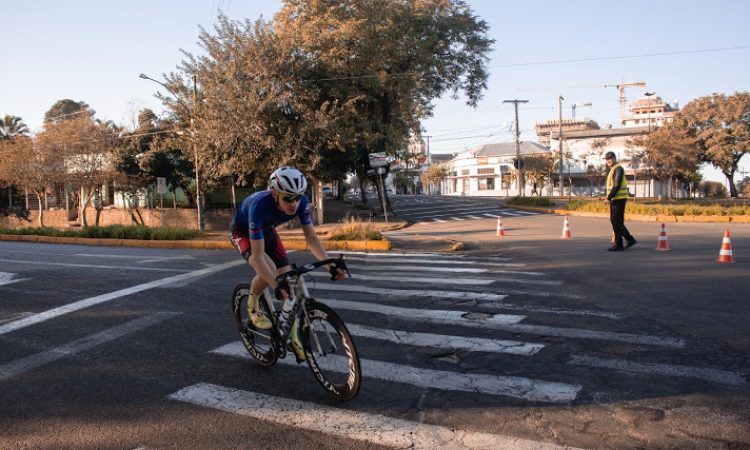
(259, 343)
(331, 353)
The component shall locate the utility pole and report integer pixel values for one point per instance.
(559, 139)
(520, 182)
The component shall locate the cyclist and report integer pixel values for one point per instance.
(253, 233)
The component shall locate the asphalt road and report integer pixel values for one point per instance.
(526, 341)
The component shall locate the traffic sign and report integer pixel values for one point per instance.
(161, 185)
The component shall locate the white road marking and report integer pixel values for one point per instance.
(496, 299)
(23, 365)
(493, 216)
(418, 268)
(89, 266)
(579, 333)
(716, 376)
(516, 387)
(475, 217)
(451, 281)
(143, 258)
(505, 323)
(15, 317)
(457, 218)
(348, 424)
(8, 278)
(472, 344)
(85, 303)
(432, 260)
(414, 280)
(510, 213)
(439, 220)
(427, 315)
(348, 287)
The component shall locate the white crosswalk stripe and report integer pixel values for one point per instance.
(374, 428)
(517, 387)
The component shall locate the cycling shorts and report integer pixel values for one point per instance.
(272, 244)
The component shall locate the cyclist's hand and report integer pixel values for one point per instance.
(337, 274)
(282, 290)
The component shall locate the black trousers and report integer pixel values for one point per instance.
(617, 217)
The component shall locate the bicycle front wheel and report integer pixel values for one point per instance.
(259, 343)
(330, 352)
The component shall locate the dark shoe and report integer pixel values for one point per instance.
(616, 248)
(631, 243)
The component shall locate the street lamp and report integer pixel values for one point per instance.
(198, 194)
(575, 105)
(559, 138)
(648, 103)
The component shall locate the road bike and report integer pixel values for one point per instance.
(328, 346)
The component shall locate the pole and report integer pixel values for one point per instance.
(559, 138)
(520, 182)
(382, 191)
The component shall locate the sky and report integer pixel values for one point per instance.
(93, 51)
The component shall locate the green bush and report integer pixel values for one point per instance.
(541, 202)
(110, 232)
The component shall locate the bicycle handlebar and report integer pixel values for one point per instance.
(299, 270)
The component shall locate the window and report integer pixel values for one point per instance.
(464, 171)
(486, 184)
(482, 160)
(489, 171)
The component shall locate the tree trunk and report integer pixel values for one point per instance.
(318, 194)
(732, 187)
(41, 210)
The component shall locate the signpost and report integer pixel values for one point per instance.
(379, 161)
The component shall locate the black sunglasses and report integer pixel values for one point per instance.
(291, 198)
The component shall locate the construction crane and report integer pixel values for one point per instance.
(621, 87)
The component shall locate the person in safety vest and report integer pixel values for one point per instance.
(617, 196)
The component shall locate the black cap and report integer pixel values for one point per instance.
(610, 155)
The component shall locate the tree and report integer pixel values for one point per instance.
(434, 174)
(671, 154)
(86, 148)
(719, 126)
(388, 60)
(67, 109)
(537, 168)
(11, 126)
(712, 189)
(33, 163)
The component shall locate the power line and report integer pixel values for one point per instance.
(559, 61)
(643, 55)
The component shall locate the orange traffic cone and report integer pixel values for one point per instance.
(500, 231)
(663, 244)
(566, 229)
(725, 254)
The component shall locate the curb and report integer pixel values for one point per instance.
(291, 244)
(641, 217)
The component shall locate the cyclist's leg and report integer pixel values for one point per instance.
(275, 248)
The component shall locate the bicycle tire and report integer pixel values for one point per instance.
(335, 363)
(259, 343)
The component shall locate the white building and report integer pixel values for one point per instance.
(486, 170)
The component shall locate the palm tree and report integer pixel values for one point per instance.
(12, 126)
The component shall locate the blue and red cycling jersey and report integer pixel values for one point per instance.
(259, 211)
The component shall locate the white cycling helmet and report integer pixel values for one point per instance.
(289, 180)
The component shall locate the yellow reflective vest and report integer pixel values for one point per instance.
(622, 190)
